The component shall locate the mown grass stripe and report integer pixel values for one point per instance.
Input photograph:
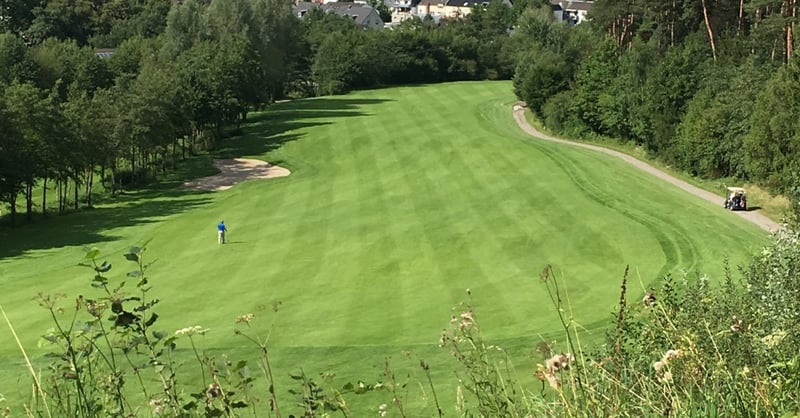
(385, 221)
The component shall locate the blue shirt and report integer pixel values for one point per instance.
(221, 227)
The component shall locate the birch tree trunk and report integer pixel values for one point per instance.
(741, 17)
(44, 196)
(792, 11)
(710, 32)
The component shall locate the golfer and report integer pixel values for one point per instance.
(221, 231)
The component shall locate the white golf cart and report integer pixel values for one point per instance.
(737, 199)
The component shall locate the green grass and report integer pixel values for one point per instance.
(773, 206)
(399, 200)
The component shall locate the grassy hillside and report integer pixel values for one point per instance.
(399, 200)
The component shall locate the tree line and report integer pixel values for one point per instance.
(183, 71)
(708, 86)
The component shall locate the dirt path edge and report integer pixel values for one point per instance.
(755, 217)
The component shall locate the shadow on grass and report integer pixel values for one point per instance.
(268, 130)
(87, 227)
(264, 131)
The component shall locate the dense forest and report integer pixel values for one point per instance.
(709, 86)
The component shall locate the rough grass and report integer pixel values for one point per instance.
(773, 206)
(399, 200)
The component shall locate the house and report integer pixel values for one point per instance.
(103, 53)
(571, 11)
(449, 9)
(400, 9)
(363, 15)
(432, 8)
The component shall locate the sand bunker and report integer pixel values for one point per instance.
(235, 171)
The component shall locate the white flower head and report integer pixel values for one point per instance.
(666, 378)
(190, 331)
(671, 354)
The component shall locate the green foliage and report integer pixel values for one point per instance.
(130, 55)
(109, 342)
(15, 60)
(120, 20)
(63, 65)
(62, 19)
(558, 113)
(485, 371)
(334, 64)
(591, 98)
(771, 144)
(540, 76)
(710, 137)
(185, 26)
(730, 342)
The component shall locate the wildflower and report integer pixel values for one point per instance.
(467, 316)
(649, 299)
(159, 405)
(774, 339)
(553, 380)
(671, 354)
(246, 318)
(467, 320)
(443, 339)
(744, 372)
(189, 331)
(668, 356)
(382, 410)
(558, 362)
(96, 309)
(666, 378)
(214, 391)
(737, 325)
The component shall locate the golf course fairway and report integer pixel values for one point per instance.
(399, 200)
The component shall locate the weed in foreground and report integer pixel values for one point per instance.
(688, 348)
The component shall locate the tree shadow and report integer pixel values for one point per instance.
(333, 103)
(280, 123)
(753, 208)
(87, 227)
(264, 131)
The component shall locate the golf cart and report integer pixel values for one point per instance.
(737, 199)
